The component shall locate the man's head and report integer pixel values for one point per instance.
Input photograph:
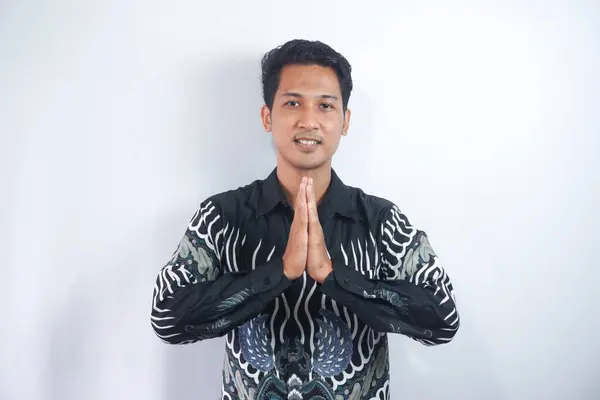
(306, 88)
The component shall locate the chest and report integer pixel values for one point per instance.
(245, 245)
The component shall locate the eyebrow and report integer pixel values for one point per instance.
(323, 96)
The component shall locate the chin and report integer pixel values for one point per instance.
(304, 162)
(308, 164)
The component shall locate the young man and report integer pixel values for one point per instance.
(304, 275)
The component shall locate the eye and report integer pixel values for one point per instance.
(327, 106)
(292, 103)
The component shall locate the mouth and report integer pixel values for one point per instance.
(307, 142)
(307, 145)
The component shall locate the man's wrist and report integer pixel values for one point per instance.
(325, 271)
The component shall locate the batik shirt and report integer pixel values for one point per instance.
(302, 339)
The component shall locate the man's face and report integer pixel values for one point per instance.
(307, 119)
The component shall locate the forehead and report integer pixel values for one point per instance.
(309, 80)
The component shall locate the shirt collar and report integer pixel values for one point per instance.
(337, 198)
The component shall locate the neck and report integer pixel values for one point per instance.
(290, 178)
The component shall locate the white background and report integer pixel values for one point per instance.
(480, 120)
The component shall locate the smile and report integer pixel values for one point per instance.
(308, 142)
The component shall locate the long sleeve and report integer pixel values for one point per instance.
(411, 293)
(195, 299)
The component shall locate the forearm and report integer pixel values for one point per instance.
(421, 312)
(188, 312)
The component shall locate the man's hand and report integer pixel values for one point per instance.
(318, 263)
(296, 251)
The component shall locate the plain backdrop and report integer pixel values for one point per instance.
(481, 120)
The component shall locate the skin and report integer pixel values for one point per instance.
(308, 105)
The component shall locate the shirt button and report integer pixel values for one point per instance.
(267, 281)
(189, 328)
(346, 280)
(428, 333)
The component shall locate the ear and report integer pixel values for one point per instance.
(346, 122)
(265, 116)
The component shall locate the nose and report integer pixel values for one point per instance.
(308, 120)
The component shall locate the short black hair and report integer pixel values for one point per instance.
(303, 52)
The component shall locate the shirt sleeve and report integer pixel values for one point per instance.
(411, 293)
(194, 298)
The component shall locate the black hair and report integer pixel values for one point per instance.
(303, 52)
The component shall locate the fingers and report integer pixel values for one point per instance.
(315, 232)
(301, 207)
(313, 215)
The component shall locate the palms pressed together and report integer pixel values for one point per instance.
(306, 250)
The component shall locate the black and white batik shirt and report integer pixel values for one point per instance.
(301, 339)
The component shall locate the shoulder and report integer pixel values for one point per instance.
(232, 202)
(369, 206)
(386, 218)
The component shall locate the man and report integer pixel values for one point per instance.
(304, 275)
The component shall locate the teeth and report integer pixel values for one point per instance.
(309, 142)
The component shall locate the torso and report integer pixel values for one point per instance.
(304, 345)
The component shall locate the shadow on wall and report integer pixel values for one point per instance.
(457, 370)
(234, 150)
(353, 161)
(62, 374)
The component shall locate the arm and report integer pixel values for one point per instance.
(411, 295)
(194, 299)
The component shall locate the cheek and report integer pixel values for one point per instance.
(333, 129)
(333, 122)
(283, 123)
(282, 134)
(283, 128)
